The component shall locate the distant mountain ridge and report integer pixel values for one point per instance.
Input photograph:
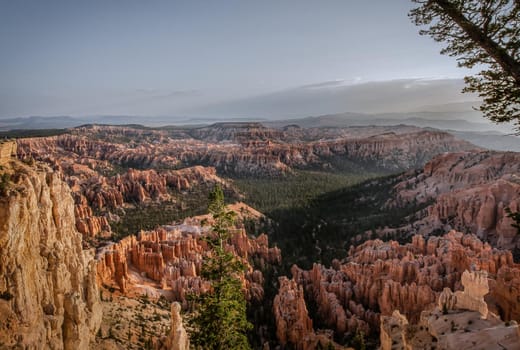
(460, 123)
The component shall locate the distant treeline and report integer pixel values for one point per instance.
(22, 133)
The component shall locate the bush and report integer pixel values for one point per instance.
(6, 296)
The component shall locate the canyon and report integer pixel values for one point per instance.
(244, 149)
(69, 275)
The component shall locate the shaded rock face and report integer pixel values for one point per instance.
(460, 321)
(49, 296)
(172, 257)
(471, 191)
(293, 324)
(379, 277)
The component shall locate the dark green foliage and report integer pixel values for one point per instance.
(358, 342)
(149, 216)
(6, 295)
(4, 183)
(294, 190)
(22, 133)
(322, 229)
(220, 318)
(480, 34)
(516, 218)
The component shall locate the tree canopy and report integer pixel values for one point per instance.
(483, 34)
(220, 320)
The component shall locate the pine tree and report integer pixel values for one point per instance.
(220, 320)
(516, 218)
(480, 33)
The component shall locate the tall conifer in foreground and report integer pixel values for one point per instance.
(220, 319)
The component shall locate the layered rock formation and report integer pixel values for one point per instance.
(379, 277)
(470, 191)
(460, 321)
(178, 338)
(7, 151)
(48, 293)
(171, 256)
(249, 150)
(294, 326)
(98, 190)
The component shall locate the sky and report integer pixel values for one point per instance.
(168, 58)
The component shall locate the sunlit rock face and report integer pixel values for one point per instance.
(178, 338)
(460, 320)
(49, 295)
(377, 278)
(171, 257)
(243, 149)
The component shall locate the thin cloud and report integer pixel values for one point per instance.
(157, 93)
(180, 93)
(324, 84)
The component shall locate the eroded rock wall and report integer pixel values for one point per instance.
(172, 257)
(50, 298)
(470, 192)
(379, 277)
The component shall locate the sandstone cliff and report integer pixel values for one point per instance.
(49, 296)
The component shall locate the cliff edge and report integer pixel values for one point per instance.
(48, 293)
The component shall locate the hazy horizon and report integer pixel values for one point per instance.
(171, 58)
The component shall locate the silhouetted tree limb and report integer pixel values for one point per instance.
(480, 33)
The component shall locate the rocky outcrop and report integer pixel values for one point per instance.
(7, 151)
(379, 277)
(178, 338)
(87, 223)
(393, 331)
(481, 210)
(293, 325)
(246, 149)
(460, 321)
(471, 298)
(172, 256)
(470, 192)
(505, 293)
(49, 298)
